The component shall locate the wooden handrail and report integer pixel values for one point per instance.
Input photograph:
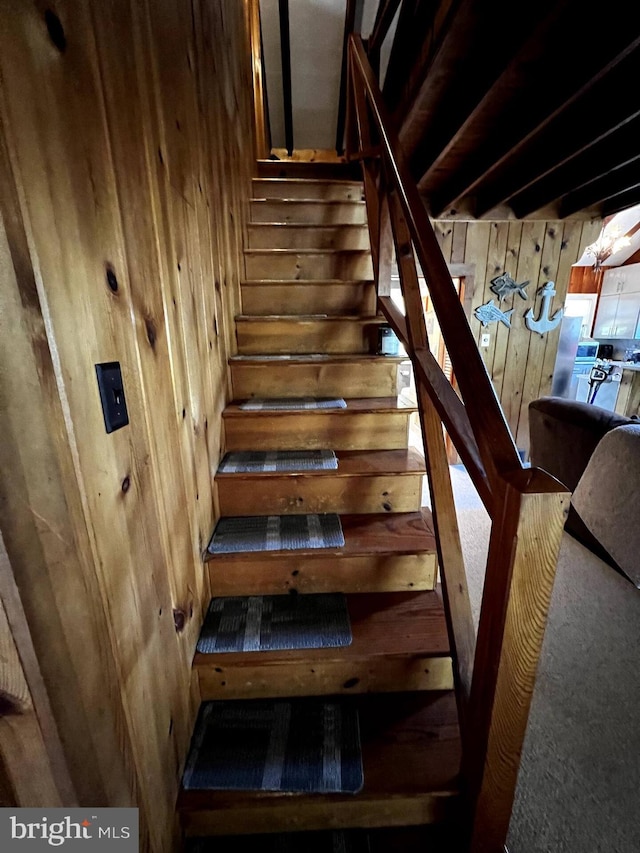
(494, 677)
(490, 428)
(262, 128)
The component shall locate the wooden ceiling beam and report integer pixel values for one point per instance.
(411, 44)
(564, 132)
(446, 153)
(621, 201)
(612, 147)
(603, 187)
(468, 33)
(504, 156)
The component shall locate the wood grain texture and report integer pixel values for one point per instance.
(114, 256)
(382, 553)
(401, 787)
(306, 188)
(308, 264)
(519, 362)
(282, 335)
(363, 376)
(292, 236)
(332, 297)
(399, 644)
(316, 212)
(450, 557)
(523, 554)
(33, 769)
(373, 481)
(366, 424)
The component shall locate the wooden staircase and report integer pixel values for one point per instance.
(309, 328)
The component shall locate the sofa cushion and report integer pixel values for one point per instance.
(607, 497)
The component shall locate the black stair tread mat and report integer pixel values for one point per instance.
(235, 534)
(322, 841)
(292, 404)
(308, 745)
(275, 622)
(259, 461)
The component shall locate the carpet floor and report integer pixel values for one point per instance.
(579, 784)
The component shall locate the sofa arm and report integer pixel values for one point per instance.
(564, 434)
(606, 498)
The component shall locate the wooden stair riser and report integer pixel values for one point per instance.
(257, 336)
(262, 298)
(301, 188)
(330, 812)
(295, 494)
(267, 575)
(399, 643)
(358, 378)
(309, 212)
(309, 266)
(309, 678)
(291, 236)
(317, 431)
(328, 171)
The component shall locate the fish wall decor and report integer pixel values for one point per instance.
(490, 313)
(504, 286)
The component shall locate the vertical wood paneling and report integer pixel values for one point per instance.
(519, 362)
(131, 149)
(500, 366)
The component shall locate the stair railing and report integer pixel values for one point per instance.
(495, 672)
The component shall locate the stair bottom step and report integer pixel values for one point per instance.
(405, 839)
(411, 758)
(338, 841)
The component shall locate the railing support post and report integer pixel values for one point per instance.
(523, 554)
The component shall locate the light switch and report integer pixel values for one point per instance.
(485, 339)
(114, 405)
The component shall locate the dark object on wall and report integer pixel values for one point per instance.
(114, 405)
(605, 351)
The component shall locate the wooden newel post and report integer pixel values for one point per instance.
(523, 554)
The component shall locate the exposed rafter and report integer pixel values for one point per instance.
(517, 114)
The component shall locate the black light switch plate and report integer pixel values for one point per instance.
(114, 405)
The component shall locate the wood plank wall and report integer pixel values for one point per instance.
(126, 149)
(519, 362)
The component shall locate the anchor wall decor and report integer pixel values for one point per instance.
(544, 323)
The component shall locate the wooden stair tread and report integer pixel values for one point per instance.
(313, 251)
(280, 282)
(362, 404)
(411, 760)
(308, 181)
(364, 535)
(311, 200)
(315, 318)
(288, 226)
(312, 358)
(387, 624)
(309, 169)
(350, 463)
